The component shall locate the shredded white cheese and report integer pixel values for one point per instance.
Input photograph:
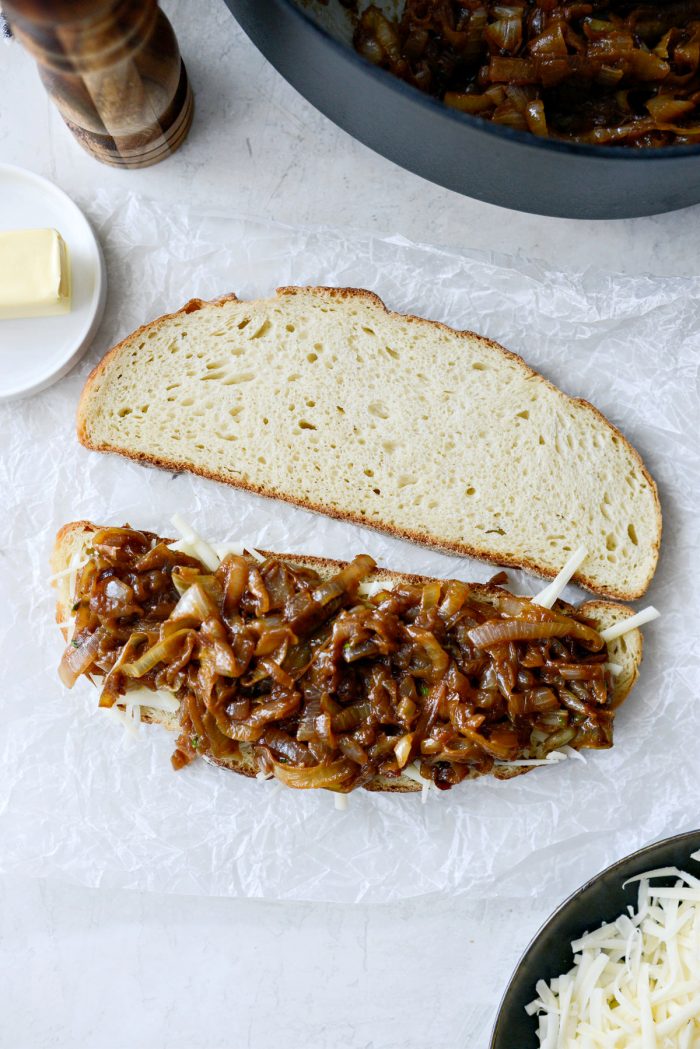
(211, 555)
(625, 625)
(554, 590)
(155, 699)
(635, 982)
(427, 786)
(370, 587)
(204, 551)
(74, 566)
(340, 801)
(551, 759)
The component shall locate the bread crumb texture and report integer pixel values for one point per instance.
(326, 399)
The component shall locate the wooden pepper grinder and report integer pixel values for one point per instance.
(114, 70)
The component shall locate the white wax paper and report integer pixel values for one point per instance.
(82, 800)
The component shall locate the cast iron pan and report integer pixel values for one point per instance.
(601, 900)
(466, 154)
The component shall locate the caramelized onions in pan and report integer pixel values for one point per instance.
(600, 72)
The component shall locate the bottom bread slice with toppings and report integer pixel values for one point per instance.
(335, 675)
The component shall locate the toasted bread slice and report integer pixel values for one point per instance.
(73, 542)
(324, 398)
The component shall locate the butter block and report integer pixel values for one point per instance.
(34, 274)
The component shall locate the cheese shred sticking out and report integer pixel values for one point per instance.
(554, 590)
(625, 625)
(635, 982)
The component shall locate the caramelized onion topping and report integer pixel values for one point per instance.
(311, 682)
(613, 73)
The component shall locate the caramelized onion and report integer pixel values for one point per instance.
(601, 72)
(79, 656)
(501, 631)
(327, 689)
(336, 776)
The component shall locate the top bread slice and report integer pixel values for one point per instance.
(325, 398)
(73, 543)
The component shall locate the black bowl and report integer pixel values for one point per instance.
(496, 164)
(600, 900)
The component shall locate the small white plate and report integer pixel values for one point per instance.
(35, 352)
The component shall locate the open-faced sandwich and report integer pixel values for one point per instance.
(337, 675)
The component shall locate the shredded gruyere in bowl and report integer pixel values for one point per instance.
(618, 965)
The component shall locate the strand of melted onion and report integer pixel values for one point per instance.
(598, 72)
(320, 686)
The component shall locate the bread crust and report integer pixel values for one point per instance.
(76, 532)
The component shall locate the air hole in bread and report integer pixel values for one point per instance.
(392, 353)
(369, 331)
(522, 415)
(244, 323)
(369, 473)
(312, 357)
(470, 491)
(311, 404)
(262, 330)
(541, 439)
(406, 479)
(389, 446)
(377, 491)
(610, 542)
(234, 380)
(304, 425)
(632, 533)
(478, 367)
(124, 411)
(290, 327)
(378, 409)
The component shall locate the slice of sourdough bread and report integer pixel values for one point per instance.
(72, 547)
(324, 398)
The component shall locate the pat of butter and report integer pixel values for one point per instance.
(34, 274)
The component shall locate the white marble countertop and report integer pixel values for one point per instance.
(102, 969)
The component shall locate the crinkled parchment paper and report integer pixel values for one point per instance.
(82, 800)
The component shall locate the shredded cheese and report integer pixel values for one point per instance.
(551, 759)
(155, 699)
(554, 590)
(204, 551)
(427, 786)
(211, 555)
(625, 625)
(74, 566)
(340, 801)
(635, 981)
(375, 586)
